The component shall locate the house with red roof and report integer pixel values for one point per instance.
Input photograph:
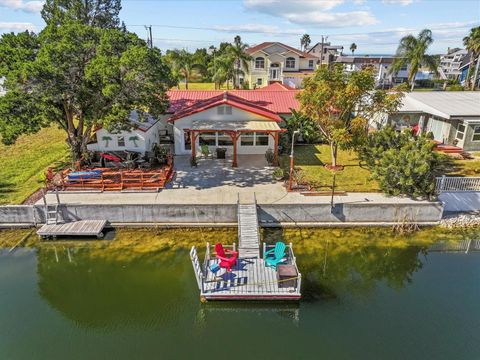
(242, 121)
(276, 62)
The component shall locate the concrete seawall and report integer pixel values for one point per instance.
(269, 214)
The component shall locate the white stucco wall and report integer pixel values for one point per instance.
(210, 115)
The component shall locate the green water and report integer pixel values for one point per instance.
(367, 295)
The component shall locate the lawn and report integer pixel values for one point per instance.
(201, 86)
(311, 160)
(24, 163)
(466, 168)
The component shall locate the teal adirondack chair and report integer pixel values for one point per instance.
(275, 256)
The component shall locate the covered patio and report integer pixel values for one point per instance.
(235, 129)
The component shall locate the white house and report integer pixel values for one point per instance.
(144, 133)
(327, 52)
(381, 64)
(242, 121)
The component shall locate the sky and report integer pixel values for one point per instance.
(374, 25)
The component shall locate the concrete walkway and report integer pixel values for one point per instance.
(216, 182)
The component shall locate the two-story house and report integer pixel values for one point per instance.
(276, 62)
(326, 52)
(381, 64)
(451, 62)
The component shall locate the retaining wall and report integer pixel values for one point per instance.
(316, 214)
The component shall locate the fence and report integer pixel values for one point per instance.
(445, 183)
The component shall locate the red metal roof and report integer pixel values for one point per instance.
(277, 102)
(264, 45)
(225, 98)
(276, 86)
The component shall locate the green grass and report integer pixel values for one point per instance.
(465, 168)
(311, 159)
(24, 163)
(202, 86)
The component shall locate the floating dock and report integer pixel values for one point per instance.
(250, 278)
(74, 228)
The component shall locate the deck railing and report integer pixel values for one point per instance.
(447, 183)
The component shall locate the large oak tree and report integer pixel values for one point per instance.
(82, 71)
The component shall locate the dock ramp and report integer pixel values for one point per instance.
(248, 230)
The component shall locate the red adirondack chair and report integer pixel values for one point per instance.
(226, 262)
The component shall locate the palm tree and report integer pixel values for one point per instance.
(353, 47)
(305, 42)
(184, 63)
(224, 69)
(237, 51)
(412, 50)
(472, 44)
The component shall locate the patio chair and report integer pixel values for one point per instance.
(226, 262)
(275, 256)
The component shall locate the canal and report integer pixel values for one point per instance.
(368, 294)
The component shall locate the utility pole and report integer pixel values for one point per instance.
(324, 39)
(150, 39)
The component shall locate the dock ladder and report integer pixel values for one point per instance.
(52, 211)
(248, 230)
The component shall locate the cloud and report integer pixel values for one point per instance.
(312, 12)
(27, 6)
(16, 26)
(399, 2)
(259, 29)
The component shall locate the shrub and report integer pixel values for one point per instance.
(278, 173)
(270, 156)
(402, 163)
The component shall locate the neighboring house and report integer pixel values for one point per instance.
(144, 133)
(453, 117)
(381, 64)
(451, 62)
(277, 62)
(242, 121)
(467, 63)
(330, 52)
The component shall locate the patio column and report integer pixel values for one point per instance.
(193, 143)
(275, 149)
(234, 136)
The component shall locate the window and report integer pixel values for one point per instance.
(187, 140)
(259, 81)
(460, 132)
(259, 63)
(476, 133)
(224, 139)
(261, 139)
(404, 68)
(121, 141)
(247, 139)
(207, 139)
(290, 63)
(224, 110)
(310, 63)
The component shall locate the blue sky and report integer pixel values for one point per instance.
(374, 25)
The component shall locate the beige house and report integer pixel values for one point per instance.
(276, 62)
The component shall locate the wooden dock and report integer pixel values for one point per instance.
(74, 228)
(249, 279)
(248, 231)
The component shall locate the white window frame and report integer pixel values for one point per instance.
(288, 62)
(475, 127)
(259, 81)
(257, 134)
(249, 135)
(224, 110)
(259, 58)
(311, 63)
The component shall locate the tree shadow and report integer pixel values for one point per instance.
(308, 155)
(6, 187)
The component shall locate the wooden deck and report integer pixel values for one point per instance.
(74, 228)
(249, 279)
(248, 233)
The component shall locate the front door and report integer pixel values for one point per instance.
(460, 135)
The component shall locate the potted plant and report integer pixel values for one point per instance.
(270, 156)
(278, 174)
(221, 153)
(193, 161)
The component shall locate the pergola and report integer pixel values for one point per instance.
(235, 129)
